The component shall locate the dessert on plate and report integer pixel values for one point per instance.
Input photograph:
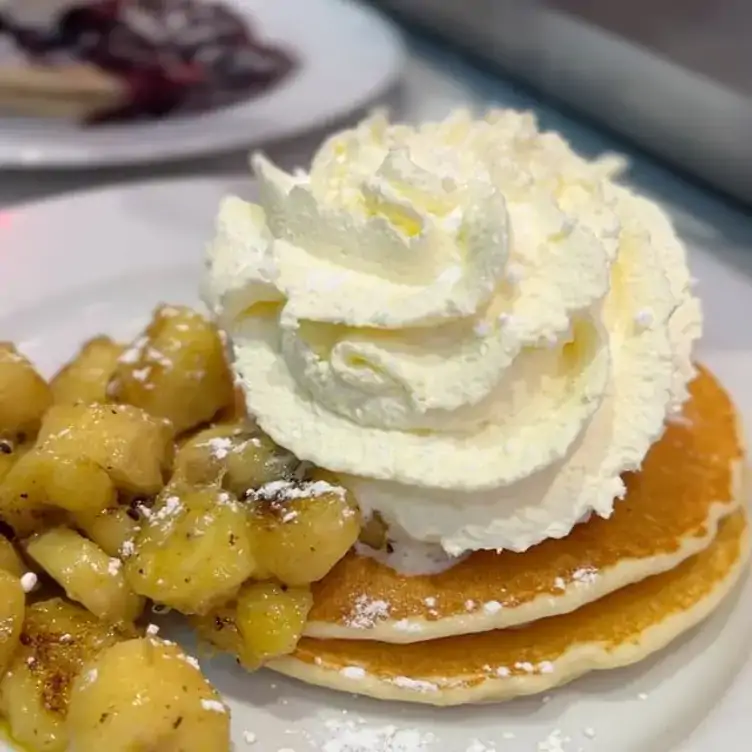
(104, 60)
(441, 440)
(489, 340)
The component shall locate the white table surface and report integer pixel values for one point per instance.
(435, 82)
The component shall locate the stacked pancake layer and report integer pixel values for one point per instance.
(501, 625)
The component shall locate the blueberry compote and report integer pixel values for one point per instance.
(175, 56)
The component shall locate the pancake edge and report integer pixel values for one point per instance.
(569, 666)
(626, 572)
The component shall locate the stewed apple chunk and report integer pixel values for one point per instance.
(265, 622)
(12, 606)
(146, 695)
(301, 529)
(10, 559)
(218, 629)
(24, 396)
(57, 639)
(113, 529)
(256, 461)
(8, 457)
(240, 456)
(11, 451)
(84, 454)
(176, 369)
(201, 459)
(86, 377)
(24, 501)
(76, 484)
(86, 573)
(193, 551)
(236, 411)
(270, 619)
(134, 447)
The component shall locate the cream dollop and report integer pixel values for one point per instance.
(479, 327)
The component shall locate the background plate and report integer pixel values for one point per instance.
(348, 54)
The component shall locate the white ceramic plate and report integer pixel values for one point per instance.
(348, 54)
(98, 262)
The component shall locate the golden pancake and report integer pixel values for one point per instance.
(622, 628)
(690, 480)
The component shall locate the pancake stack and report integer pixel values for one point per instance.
(499, 625)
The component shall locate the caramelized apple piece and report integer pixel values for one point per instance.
(24, 396)
(146, 695)
(193, 552)
(86, 377)
(301, 529)
(87, 574)
(240, 456)
(266, 622)
(270, 618)
(176, 370)
(57, 639)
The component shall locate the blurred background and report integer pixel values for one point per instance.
(673, 75)
(101, 91)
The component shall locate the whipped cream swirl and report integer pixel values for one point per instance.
(477, 326)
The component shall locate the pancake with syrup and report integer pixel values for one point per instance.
(621, 628)
(690, 481)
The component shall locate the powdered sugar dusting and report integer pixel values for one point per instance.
(525, 666)
(414, 685)
(366, 613)
(28, 582)
(287, 490)
(554, 742)
(349, 736)
(585, 575)
(478, 746)
(127, 549)
(133, 353)
(171, 507)
(406, 625)
(213, 705)
(353, 672)
(220, 447)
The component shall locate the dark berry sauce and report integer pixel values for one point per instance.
(176, 56)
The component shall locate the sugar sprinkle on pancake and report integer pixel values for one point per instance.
(620, 629)
(690, 480)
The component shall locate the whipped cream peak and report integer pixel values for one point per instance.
(479, 327)
(389, 229)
